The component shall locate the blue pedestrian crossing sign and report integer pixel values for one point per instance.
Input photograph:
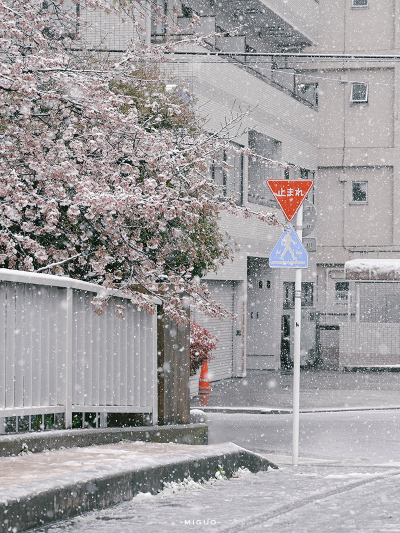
(288, 251)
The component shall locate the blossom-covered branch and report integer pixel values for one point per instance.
(104, 173)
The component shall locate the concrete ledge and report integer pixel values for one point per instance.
(247, 410)
(267, 411)
(54, 440)
(37, 503)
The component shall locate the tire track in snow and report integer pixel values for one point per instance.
(243, 525)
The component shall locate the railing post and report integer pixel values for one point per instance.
(155, 413)
(349, 295)
(358, 303)
(68, 361)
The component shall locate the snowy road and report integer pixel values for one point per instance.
(358, 489)
(302, 500)
(372, 436)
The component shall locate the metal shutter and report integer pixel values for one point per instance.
(221, 366)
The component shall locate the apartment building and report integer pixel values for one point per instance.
(357, 192)
(278, 120)
(335, 113)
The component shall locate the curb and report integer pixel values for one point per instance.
(80, 438)
(347, 409)
(247, 410)
(31, 505)
(272, 411)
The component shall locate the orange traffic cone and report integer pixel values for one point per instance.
(204, 384)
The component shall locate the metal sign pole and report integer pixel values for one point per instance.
(296, 355)
(290, 195)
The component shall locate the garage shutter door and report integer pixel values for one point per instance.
(222, 366)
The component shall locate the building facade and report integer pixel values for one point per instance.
(357, 188)
(279, 121)
(273, 112)
(334, 113)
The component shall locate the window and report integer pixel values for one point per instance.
(230, 176)
(341, 291)
(359, 191)
(158, 28)
(288, 295)
(359, 93)
(187, 11)
(259, 172)
(307, 294)
(359, 3)
(307, 92)
(304, 172)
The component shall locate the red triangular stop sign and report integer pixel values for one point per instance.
(290, 194)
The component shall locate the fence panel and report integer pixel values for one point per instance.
(369, 344)
(58, 356)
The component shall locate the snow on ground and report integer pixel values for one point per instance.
(305, 499)
(358, 490)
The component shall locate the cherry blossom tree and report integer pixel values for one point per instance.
(104, 173)
(202, 344)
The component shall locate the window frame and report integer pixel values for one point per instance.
(258, 192)
(307, 294)
(226, 173)
(353, 84)
(342, 294)
(359, 202)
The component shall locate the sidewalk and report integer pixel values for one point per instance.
(38, 488)
(94, 469)
(272, 392)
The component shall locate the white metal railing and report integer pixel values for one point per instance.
(58, 356)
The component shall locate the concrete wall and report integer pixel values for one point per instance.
(357, 142)
(344, 224)
(223, 87)
(342, 123)
(302, 14)
(344, 28)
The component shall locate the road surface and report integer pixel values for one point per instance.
(350, 482)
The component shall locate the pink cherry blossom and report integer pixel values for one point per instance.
(104, 174)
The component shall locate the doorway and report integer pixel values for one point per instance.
(286, 359)
(262, 347)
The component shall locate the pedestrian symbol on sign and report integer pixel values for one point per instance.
(287, 242)
(288, 251)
